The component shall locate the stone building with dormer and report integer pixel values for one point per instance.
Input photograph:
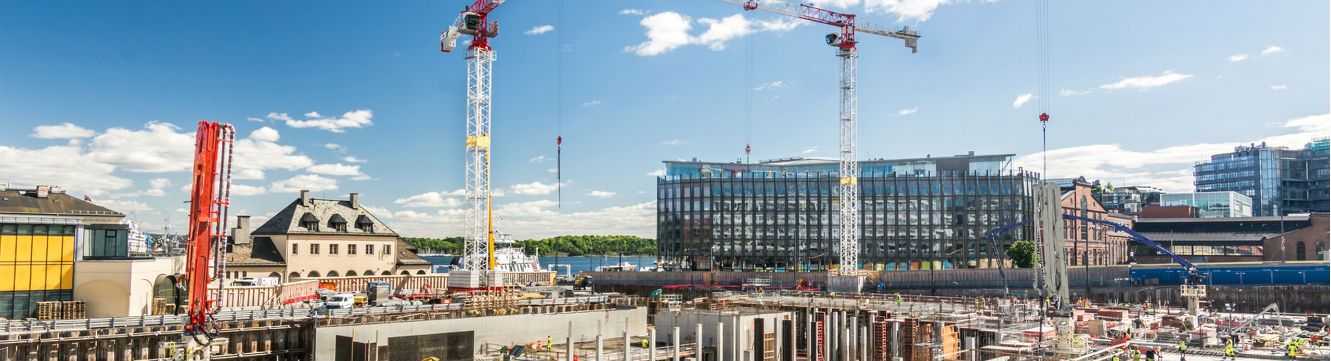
(316, 238)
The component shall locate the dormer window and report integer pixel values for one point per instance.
(364, 224)
(309, 222)
(337, 223)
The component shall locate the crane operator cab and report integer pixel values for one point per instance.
(469, 23)
(833, 39)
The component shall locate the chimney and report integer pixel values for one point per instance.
(304, 197)
(355, 201)
(241, 234)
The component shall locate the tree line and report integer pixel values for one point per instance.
(585, 245)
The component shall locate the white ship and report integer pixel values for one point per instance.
(508, 257)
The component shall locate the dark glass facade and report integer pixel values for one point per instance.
(758, 217)
(1279, 180)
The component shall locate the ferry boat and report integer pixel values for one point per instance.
(508, 257)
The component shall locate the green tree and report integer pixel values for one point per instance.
(1022, 254)
(587, 245)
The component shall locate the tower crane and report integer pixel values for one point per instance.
(204, 262)
(844, 42)
(479, 231)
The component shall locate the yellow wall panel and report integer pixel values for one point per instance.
(66, 276)
(24, 251)
(39, 247)
(7, 244)
(53, 277)
(67, 248)
(6, 277)
(38, 278)
(21, 280)
(53, 248)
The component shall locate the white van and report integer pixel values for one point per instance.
(341, 300)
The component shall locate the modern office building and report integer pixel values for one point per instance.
(1127, 200)
(1237, 239)
(782, 215)
(1211, 204)
(1278, 179)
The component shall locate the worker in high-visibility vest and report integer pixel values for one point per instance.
(1136, 355)
(1293, 351)
(549, 343)
(1229, 349)
(1182, 347)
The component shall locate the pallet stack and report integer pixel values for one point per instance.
(73, 310)
(48, 310)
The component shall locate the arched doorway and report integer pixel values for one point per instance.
(313, 274)
(405, 273)
(293, 276)
(165, 287)
(386, 273)
(368, 273)
(1301, 251)
(276, 275)
(332, 273)
(351, 273)
(420, 272)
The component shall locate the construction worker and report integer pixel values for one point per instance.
(549, 343)
(1182, 347)
(1293, 351)
(1229, 349)
(898, 299)
(1115, 358)
(1136, 355)
(644, 343)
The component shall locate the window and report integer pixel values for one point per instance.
(309, 222)
(1300, 251)
(388, 249)
(332, 248)
(351, 249)
(295, 248)
(314, 249)
(337, 223)
(369, 249)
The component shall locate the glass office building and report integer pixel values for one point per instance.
(782, 215)
(1278, 179)
(1211, 204)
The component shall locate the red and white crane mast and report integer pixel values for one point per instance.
(849, 192)
(479, 228)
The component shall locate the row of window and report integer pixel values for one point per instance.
(335, 248)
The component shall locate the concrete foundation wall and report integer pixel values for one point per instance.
(503, 330)
(688, 320)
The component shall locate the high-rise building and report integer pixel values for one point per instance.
(1278, 179)
(781, 215)
(1127, 200)
(1211, 204)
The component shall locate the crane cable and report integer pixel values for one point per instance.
(559, 105)
(748, 98)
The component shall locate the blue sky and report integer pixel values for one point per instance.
(102, 97)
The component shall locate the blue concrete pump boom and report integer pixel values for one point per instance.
(1193, 275)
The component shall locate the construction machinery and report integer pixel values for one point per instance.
(479, 228)
(205, 261)
(849, 193)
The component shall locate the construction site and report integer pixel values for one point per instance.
(1050, 311)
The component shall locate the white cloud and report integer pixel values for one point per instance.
(1272, 50)
(63, 165)
(337, 169)
(659, 172)
(1238, 57)
(632, 12)
(1070, 92)
(591, 103)
(552, 170)
(1146, 82)
(601, 194)
(908, 111)
(334, 147)
(260, 152)
(430, 200)
(1021, 100)
(916, 10)
(156, 187)
(669, 30)
(157, 148)
(256, 120)
(674, 142)
(809, 149)
(244, 190)
(310, 182)
(540, 29)
(1169, 168)
(534, 188)
(1279, 87)
(352, 159)
(61, 131)
(124, 205)
(538, 159)
(358, 118)
(775, 84)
